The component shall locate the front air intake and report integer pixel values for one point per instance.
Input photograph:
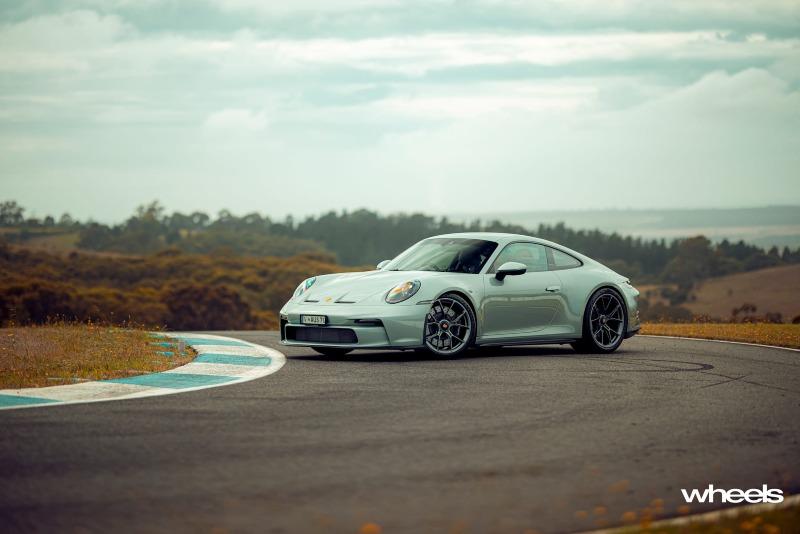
(312, 334)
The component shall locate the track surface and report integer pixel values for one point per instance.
(499, 441)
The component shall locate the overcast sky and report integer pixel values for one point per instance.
(301, 106)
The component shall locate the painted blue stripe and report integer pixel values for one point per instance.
(167, 353)
(16, 400)
(201, 341)
(173, 380)
(232, 359)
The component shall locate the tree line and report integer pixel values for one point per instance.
(364, 237)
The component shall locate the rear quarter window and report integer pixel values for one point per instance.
(561, 260)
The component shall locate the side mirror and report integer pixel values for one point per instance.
(383, 264)
(511, 268)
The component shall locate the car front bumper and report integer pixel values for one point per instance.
(373, 326)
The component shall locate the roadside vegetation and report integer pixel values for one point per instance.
(169, 290)
(236, 271)
(64, 353)
(782, 335)
(773, 521)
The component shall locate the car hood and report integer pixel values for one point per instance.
(358, 287)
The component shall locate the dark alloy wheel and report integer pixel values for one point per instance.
(449, 326)
(604, 323)
(331, 352)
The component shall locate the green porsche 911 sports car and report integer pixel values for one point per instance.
(451, 292)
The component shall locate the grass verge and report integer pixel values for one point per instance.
(782, 335)
(51, 355)
(773, 521)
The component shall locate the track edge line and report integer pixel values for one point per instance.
(722, 341)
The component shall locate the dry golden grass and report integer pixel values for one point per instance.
(54, 242)
(35, 356)
(773, 521)
(782, 335)
(776, 289)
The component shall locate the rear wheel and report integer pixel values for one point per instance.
(449, 326)
(331, 352)
(604, 323)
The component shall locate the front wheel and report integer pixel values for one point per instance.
(449, 326)
(331, 352)
(604, 323)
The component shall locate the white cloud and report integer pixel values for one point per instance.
(68, 41)
(280, 7)
(485, 99)
(417, 54)
(550, 12)
(84, 40)
(278, 116)
(229, 121)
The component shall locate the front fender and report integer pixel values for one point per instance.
(469, 289)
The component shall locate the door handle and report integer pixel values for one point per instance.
(553, 289)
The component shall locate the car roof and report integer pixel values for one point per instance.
(500, 237)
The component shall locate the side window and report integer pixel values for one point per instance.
(532, 255)
(562, 260)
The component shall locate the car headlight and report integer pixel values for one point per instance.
(403, 291)
(304, 286)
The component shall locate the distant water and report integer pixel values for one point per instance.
(767, 226)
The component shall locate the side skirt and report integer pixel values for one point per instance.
(551, 341)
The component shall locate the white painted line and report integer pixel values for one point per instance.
(84, 390)
(99, 391)
(218, 369)
(707, 517)
(721, 341)
(197, 336)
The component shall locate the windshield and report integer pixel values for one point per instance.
(446, 254)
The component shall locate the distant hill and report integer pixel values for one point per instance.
(771, 290)
(765, 227)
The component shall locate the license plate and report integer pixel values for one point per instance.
(313, 319)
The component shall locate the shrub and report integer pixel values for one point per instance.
(195, 307)
(182, 291)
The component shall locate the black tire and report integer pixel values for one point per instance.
(332, 352)
(605, 321)
(449, 312)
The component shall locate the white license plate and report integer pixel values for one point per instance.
(313, 319)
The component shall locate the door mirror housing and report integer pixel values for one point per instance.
(511, 268)
(383, 264)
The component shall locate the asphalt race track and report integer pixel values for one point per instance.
(498, 441)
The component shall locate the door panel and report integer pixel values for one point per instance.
(519, 305)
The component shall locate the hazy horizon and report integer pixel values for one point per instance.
(764, 226)
(484, 215)
(437, 107)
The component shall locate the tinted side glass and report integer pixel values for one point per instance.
(533, 256)
(562, 260)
